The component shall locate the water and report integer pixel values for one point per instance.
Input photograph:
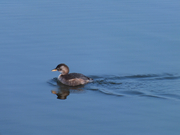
(130, 49)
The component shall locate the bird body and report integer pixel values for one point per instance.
(71, 79)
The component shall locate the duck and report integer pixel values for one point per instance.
(71, 79)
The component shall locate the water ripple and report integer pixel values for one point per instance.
(146, 85)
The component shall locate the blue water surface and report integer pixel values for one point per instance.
(130, 48)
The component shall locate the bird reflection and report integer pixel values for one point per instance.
(61, 94)
(63, 91)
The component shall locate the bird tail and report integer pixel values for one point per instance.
(90, 80)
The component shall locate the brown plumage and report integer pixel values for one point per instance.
(72, 79)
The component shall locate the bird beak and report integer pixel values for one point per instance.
(54, 70)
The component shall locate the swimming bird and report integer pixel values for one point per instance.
(71, 79)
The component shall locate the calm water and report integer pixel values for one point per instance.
(131, 50)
